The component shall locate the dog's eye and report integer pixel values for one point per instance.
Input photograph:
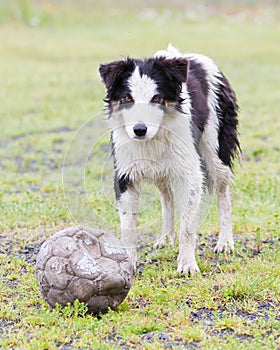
(127, 99)
(157, 99)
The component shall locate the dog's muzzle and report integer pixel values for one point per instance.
(140, 129)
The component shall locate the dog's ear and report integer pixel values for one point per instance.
(110, 72)
(175, 68)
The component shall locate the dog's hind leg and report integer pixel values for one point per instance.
(167, 205)
(225, 240)
(219, 177)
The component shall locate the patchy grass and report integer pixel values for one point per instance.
(50, 88)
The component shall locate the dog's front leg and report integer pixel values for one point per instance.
(167, 205)
(189, 197)
(128, 210)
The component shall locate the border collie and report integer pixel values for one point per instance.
(173, 121)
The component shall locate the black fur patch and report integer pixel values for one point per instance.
(120, 184)
(115, 76)
(198, 88)
(168, 74)
(227, 111)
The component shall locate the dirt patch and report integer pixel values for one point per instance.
(5, 326)
(24, 243)
(208, 316)
(60, 130)
(167, 340)
(34, 159)
(167, 343)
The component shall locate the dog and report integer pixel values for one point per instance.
(173, 121)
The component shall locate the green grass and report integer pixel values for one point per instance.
(49, 88)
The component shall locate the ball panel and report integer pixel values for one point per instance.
(44, 254)
(69, 231)
(87, 235)
(92, 232)
(58, 296)
(111, 247)
(81, 289)
(108, 266)
(91, 246)
(43, 285)
(111, 284)
(127, 271)
(84, 265)
(57, 272)
(64, 246)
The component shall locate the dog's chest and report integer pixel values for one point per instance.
(151, 160)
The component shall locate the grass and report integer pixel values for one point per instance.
(51, 114)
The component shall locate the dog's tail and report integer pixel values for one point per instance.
(227, 110)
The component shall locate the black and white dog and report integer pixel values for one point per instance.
(173, 119)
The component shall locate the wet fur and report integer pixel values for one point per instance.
(191, 141)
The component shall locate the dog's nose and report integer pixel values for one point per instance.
(140, 129)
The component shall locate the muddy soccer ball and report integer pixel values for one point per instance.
(85, 264)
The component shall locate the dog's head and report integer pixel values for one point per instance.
(141, 90)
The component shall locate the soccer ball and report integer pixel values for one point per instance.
(85, 264)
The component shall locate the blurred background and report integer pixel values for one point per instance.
(53, 48)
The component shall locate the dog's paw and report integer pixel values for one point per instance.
(189, 269)
(224, 247)
(164, 241)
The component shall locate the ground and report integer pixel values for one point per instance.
(53, 126)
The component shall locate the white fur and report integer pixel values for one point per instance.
(143, 88)
(145, 113)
